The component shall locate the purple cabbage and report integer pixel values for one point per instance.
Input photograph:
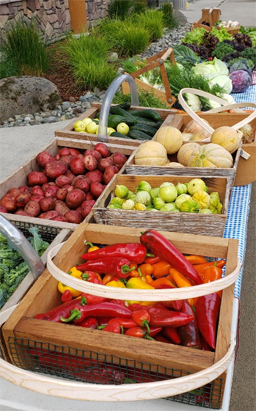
(241, 80)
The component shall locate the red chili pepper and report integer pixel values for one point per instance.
(91, 277)
(124, 322)
(61, 311)
(136, 307)
(120, 302)
(93, 299)
(152, 260)
(113, 327)
(103, 320)
(207, 311)
(172, 334)
(204, 345)
(189, 333)
(66, 296)
(154, 331)
(89, 323)
(116, 266)
(159, 245)
(175, 305)
(107, 309)
(161, 338)
(138, 332)
(135, 252)
(165, 318)
(141, 318)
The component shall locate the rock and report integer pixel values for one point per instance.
(27, 94)
(112, 58)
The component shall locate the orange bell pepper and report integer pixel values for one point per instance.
(200, 268)
(160, 269)
(181, 281)
(92, 247)
(213, 273)
(161, 281)
(145, 269)
(195, 259)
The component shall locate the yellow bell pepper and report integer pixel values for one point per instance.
(118, 284)
(129, 302)
(136, 282)
(74, 272)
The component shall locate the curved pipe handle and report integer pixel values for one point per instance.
(23, 246)
(116, 83)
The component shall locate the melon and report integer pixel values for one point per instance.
(151, 153)
(226, 137)
(210, 155)
(170, 137)
(185, 151)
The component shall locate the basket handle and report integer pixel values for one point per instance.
(138, 294)
(61, 388)
(104, 112)
(226, 106)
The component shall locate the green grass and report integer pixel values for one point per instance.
(25, 51)
(120, 9)
(151, 20)
(169, 20)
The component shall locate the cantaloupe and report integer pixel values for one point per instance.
(185, 151)
(210, 155)
(151, 153)
(170, 137)
(226, 137)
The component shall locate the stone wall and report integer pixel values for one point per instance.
(51, 16)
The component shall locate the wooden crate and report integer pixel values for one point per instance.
(53, 236)
(243, 171)
(152, 63)
(119, 349)
(203, 224)
(68, 131)
(19, 177)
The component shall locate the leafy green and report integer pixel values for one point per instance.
(250, 54)
(185, 56)
(251, 32)
(195, 36)
(221, 33)
(221, 50)
(241, 63)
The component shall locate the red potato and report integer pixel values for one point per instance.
(82, 184)
(62, 193)
(74, 152)
(61, 207)
(49, 215)
(61, 181)
(95, 175)
(37, 191)
(86, 210)
(79, 209)
(8, 202)
(102, 149)
(68, 187)
(93, 153)
(51, 191)
(3, 209)
(47, 204)
(96, 189)
(36, 198)
(32, 208)
(73, 216)
(22, 199)
(88, 196)
(119, 159)
(60, 218)
(83, 176)
(75, 198)
(90, 162)
(55, 169)
(37, 178)
(25, 189)
(89, 203)
(13, 191)
(77, 166)
(66, 159)
(69, 175)
(43, 158)
(109, 173)
(104, 163)
(64, 151)
(57, 157)
(22, 212)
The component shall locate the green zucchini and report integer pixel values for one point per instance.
(139, 135)
(130, 120)
(116, 134)
(150, 114)
(151, 131)
(147, 122)
(133, 112)
(126, 105)
(113, 121)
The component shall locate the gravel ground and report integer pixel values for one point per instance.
(70, 109)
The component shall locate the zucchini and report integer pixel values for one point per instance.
(116, 134)
(133, 112)
(130, 120)
(150, 114)
(147, 122)
(139, 135)
(126, 105)
(113, 121)
(151, 131)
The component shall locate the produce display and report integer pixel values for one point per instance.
(124, 122)
(154, 263)
(13, 269)
(192, 197)
(67, 186)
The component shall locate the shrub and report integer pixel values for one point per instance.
(24, 49)
(152, 21)
(120, 9)
(168, 17)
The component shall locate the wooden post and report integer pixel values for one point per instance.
(77, 9)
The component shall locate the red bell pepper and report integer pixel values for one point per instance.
(138, 332)
(107, 309)
(113, 327)
(93, 299)
(160, 246)
(141, 318)
(189, 333)
(172, 334)
(66, 296)
(134, 252)
(164, 318)
(116, 266)
(91, 277)
(207, 312)
(89, 323)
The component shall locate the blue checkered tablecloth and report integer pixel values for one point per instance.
(239, 206)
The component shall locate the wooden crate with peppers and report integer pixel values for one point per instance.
(187, 335)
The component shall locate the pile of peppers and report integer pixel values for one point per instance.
(154, 263)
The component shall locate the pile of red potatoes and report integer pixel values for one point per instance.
(67, 186)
